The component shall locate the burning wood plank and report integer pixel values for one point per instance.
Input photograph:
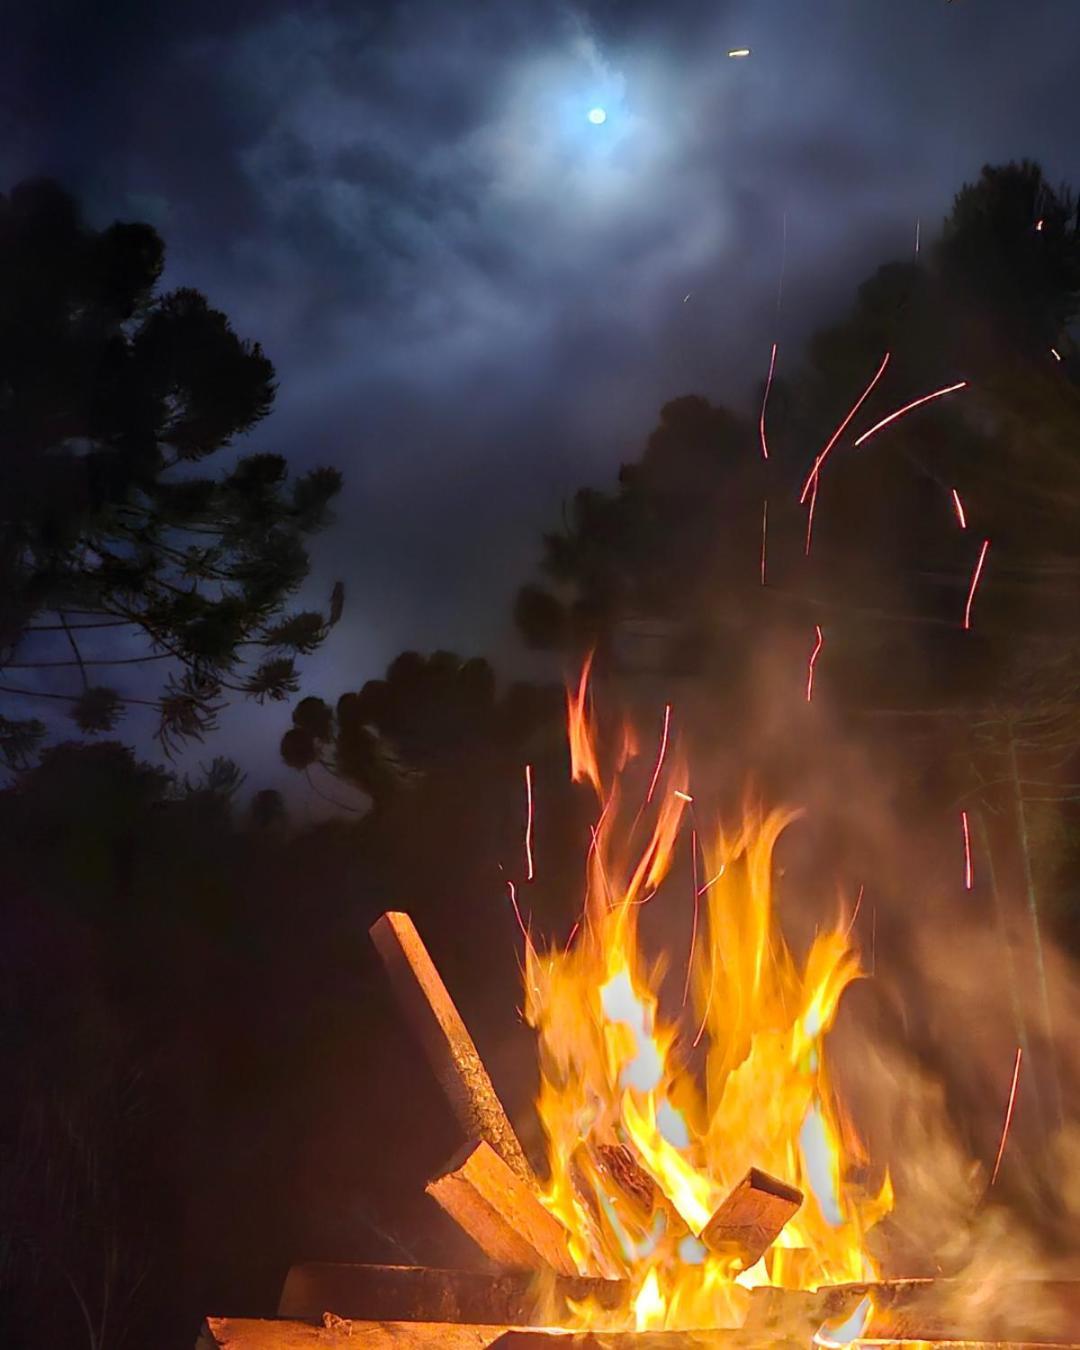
(424, 1294)
(750, 1219)
(246, 1333)
(501, 1213)
(445, 1039)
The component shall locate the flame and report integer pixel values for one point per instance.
(646, 1135)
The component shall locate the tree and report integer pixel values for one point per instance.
(113, 538)
(422, 724)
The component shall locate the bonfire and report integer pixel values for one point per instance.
(703, 1183)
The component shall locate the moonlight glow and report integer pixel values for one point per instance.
(597, 116)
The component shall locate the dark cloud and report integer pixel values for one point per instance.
(475, 300)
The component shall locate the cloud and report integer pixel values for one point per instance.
(474, 297)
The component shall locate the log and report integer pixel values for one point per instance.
(445, 1039)
(750, 1219)
(501, 1213)
(244, 1333)
(422, 1294)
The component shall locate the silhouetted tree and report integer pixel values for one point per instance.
(113, 538)
(428, 718)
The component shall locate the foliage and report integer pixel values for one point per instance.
(113, 397)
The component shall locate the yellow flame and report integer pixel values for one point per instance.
(650, 1121)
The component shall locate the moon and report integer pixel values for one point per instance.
(597, 116)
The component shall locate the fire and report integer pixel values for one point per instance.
(646, 1135)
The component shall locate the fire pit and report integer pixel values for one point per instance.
(699, 1186)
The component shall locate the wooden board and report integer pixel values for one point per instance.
(751, 1218)
(501, 1213)
(244, 1333)
(422, 1294)
(445, 1039)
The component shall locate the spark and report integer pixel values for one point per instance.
(1055, 353)
(530, 869)
(661, 754)
(855, 911)
(959, 509)
(967, 851)
(683, 796)
(1039, 225)
(813, 658)
(694, 927)
(764, 531)
(712, 880)
(810, 518)
(764, 401)
(739, 51)
(916, 403)
(517, 912)
(687, 296)
(974, 582)
(812, 476)
(1008, 1114)
(918, 231)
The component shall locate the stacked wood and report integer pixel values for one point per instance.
(501, 1213)
(423, 1294)
(751, 1218)
(445, 1039)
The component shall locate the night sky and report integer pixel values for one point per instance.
(475, 298)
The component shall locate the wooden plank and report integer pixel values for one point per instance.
(445, 1039)
(937, 1312)
(501, 1213)
(236, 1333)
(243, 1333)
(726, 1340)
(750, 1219)
(423, 1294)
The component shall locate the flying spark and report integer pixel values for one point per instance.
(517, 911)
(687, 296)
(1039, 226)
(661, 754)
(764, 401)
(530, 870)
(855, 911)
(918, 231)
(764, 531)
(1055, 353)
(712, 880)
(959, 509)
(810, 517)
(683, 796)
(813, 659)
(1008, 1114)
(812, 476)
(926, 398)
(967, 851)
(693, 929)
(739, 51)
(974, 582)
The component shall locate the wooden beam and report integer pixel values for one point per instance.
(501, 1213)
(750, 1219)
(422, 1294)
(726, 1340)
(445, 1039)
(244, 1333)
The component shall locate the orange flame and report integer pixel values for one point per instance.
(645, 1138)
